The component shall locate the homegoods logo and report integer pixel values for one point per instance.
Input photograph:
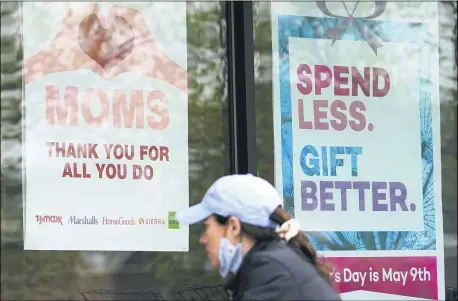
(74, 220)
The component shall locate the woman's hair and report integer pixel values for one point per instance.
(300, 243)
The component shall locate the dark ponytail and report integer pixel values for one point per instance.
(300, 243)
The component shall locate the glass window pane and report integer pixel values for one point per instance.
(59, 275)
(448, 109)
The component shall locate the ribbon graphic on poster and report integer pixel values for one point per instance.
(337, 32)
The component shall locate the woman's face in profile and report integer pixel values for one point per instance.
(214, 231)
(211, 238)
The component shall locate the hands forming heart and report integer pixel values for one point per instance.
(106, 46)
(118, 43)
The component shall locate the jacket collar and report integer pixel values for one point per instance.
(233, 280)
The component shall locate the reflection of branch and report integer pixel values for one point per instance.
(452, 6)
(11, 72)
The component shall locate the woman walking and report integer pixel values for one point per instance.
(256, 245)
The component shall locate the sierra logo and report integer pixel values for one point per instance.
(54, 219)
(83, 220)
(151, 221)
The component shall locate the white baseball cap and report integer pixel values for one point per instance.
(249, 198)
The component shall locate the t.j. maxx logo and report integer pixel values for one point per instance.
(54, 219)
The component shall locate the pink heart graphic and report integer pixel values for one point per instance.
(104, 45)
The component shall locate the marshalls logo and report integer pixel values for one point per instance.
(75, 220)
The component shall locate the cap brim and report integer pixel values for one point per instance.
(193, 215)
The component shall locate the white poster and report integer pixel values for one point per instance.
(357, 140)
(106, 126)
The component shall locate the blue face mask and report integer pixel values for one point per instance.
(230, 257)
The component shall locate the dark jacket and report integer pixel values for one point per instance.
(274, 271)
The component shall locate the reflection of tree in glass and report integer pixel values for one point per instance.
(60, 275)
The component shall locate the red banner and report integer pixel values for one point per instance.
(405, 276)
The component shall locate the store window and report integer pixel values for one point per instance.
(63, 275)
(264, 89)
(56, 275)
